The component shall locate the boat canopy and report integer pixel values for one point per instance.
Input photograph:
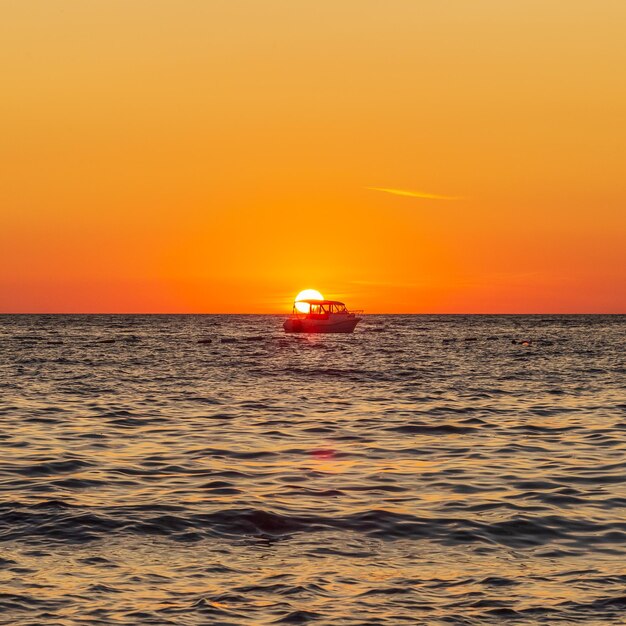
(320, 307)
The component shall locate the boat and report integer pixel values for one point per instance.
(321, 316)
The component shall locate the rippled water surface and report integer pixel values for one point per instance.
(212, 470)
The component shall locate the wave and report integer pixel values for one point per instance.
(59, 520)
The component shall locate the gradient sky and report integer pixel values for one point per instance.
(401, 155)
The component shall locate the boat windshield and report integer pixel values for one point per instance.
(320, 307)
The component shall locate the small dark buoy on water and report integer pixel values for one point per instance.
(205, 341)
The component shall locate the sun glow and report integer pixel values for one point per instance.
(307, 294)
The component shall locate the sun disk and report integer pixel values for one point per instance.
(307, 294)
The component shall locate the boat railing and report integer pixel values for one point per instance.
(300, 315)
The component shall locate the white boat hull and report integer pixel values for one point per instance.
(335, 324)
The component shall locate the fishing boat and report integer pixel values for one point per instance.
(321, 316)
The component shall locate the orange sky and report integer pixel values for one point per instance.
(222, 155)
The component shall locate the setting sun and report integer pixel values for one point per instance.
(307, 294)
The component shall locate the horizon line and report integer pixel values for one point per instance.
(2, 313)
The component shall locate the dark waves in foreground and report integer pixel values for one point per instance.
(211, 470)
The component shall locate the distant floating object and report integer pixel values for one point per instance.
(321, 316)
(523, 342)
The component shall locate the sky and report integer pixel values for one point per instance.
(406, 156)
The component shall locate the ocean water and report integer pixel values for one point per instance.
(213, 470)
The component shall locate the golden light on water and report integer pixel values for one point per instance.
(307, 294)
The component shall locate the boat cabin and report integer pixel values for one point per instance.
(319, 309)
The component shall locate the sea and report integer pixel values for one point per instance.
(211, 469)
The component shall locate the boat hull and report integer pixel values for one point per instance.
(297, 325)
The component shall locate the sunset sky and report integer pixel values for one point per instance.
(401, 155)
